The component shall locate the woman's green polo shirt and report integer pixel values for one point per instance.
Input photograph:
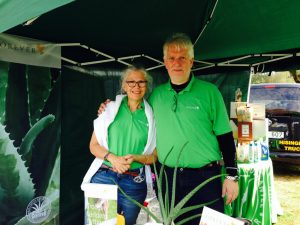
(128, 133)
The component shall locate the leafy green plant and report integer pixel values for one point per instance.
(170, 211)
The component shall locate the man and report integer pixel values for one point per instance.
(190, 115)
(191, 111)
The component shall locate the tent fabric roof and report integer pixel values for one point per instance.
(250, 27)
(15, 12)
(128, 28)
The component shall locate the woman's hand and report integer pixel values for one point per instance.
(119, 163)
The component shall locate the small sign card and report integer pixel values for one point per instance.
(100, 204)
(213, 217)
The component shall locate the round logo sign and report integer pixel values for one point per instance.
(38, 209)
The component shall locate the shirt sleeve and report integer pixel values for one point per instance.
(227, 147)
(219, 113)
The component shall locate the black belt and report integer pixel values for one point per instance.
(212, 165)
(133, 173)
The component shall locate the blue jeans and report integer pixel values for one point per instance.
(137, 191)
(187, 180)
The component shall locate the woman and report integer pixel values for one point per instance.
(124, 141)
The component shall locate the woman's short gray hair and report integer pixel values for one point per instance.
(131, 69)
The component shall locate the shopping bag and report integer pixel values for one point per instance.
(100, 204)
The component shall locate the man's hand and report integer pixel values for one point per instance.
(230, 190)
(103, 106)
(129, 158)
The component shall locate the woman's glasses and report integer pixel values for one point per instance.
(140, 83)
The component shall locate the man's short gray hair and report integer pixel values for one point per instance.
(179, 41)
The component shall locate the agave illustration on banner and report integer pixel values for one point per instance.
(29, 140)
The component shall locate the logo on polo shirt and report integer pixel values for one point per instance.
(142, 122)
(193, 107)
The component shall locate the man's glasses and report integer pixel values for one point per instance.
(140, 83)
(179, 59)
(174, 105)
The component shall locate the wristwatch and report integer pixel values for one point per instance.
(106, 156)
(233, 178)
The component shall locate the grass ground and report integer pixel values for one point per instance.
(287, 184)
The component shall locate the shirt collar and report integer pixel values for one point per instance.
(187, 88)
(125, 100)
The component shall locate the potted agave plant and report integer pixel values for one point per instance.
(170, 211)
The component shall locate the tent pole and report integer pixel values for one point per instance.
(204, 67)
(207, 22)
(273, 60)
(155, 60)
(203, 62)
(96, 62)
(249, 84)
(69, 60)
(68, 44)
(96, 51)
(154, 67)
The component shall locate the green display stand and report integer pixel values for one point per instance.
(257, 199)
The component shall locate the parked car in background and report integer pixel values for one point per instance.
(282, 101)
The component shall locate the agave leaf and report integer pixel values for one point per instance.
(53, 195)
(188, 219)
(54, 181)
(159, 179)
(137, 203)
(183, 201)
(3, 87)
(47, 143)
(16, 187)
(175, 177)
(38, 88)
(167, 202)
(17, 121)
(170, 213)
(29, 138)
(190, 208)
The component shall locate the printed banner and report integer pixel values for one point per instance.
(29, 145)
(29, 51)
(213, 217)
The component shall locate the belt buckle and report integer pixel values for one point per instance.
(139, 179)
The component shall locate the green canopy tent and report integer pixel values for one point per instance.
(222, 30)
(17, 12)
(228, 35)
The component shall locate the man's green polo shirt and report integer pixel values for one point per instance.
(193, 116)
(128, 133)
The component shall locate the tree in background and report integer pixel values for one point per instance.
(292, 76)
(296, 75)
